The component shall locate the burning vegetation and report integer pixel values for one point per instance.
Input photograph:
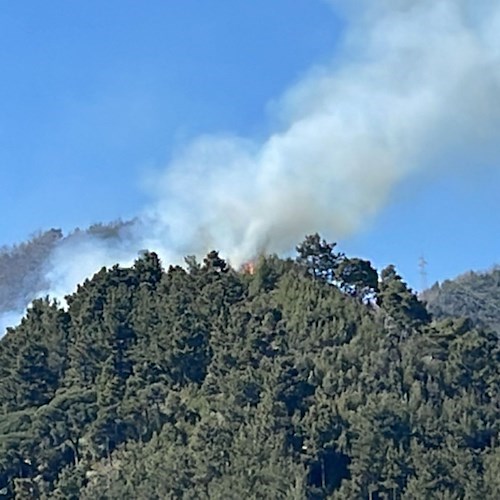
(248, 267)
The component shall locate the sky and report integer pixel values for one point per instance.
(102, 102)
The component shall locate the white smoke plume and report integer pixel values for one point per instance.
(415, 84)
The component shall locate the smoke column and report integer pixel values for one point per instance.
(416, 81)
(416, 84)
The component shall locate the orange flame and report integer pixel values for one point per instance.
(248, 267)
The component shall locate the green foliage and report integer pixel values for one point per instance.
(399, 302)
(288, 383)
(357, 277)
(318, 257)
(473, 295)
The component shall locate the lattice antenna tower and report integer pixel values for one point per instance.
(422, 264)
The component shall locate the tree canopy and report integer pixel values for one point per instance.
(206, 382)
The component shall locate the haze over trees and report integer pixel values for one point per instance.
(307, 379)
(21, 269)
(24, 268)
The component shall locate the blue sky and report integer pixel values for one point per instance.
(95, 96)
(94, 92)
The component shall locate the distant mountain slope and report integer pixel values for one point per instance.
(23, 267)
(473, 295)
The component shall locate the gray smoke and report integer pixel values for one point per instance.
(415, 84)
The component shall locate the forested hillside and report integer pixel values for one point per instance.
(288, 379)
(24, 267)
(475, 295)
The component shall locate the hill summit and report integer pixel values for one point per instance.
(310, 378)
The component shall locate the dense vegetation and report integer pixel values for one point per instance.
(475, 295)
(306, 379)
